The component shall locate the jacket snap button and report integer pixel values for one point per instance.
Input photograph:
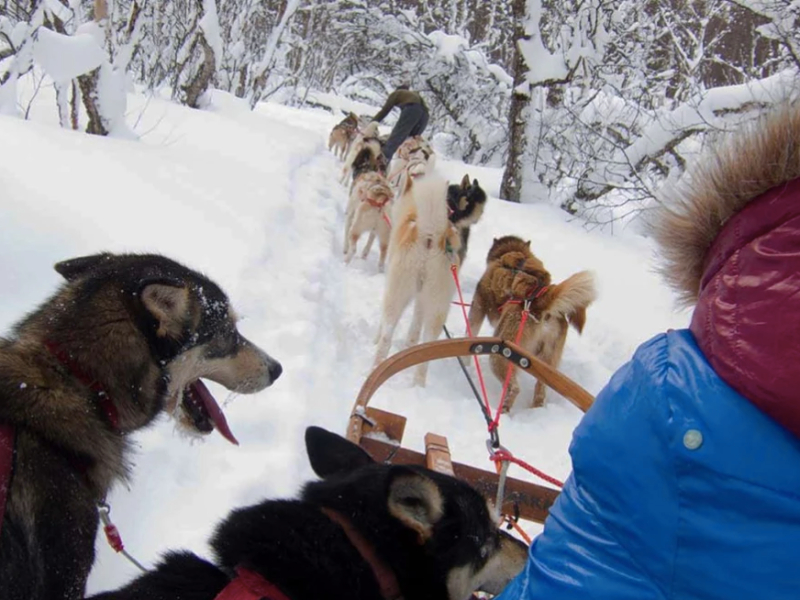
(693, 439)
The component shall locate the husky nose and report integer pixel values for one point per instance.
(275, 370)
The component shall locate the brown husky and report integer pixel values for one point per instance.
(515, 282)
(126, 337)
(368, 212)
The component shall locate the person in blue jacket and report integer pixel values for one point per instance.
(686, 471)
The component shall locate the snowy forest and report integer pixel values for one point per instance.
(589, 104)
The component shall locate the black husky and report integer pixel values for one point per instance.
(125, 338)
(367, 531)
(465, 203)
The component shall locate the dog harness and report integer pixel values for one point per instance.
(249, 585)
(376, 203)
(7, 438)
(8, 434)
(534, 295)
(104, 402)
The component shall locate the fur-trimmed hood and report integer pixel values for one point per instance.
(729, 233)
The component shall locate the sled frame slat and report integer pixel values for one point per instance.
(437, 454)
(528, 500)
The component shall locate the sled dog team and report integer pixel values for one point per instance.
(422, 224)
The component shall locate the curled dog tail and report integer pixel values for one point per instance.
(430, 198)
(572, 296)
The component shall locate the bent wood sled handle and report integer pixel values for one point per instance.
(465, 347)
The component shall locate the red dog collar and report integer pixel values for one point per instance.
(249, 585)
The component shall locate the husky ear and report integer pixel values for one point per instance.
(415, 501)
(465, 181)
(528, 243)
(169, 304)
(74, 268)
(475, 183)
(331, 454)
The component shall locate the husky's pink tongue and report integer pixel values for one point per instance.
(214, 411)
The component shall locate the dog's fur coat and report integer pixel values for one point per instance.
(366, 138)
(368, 160)
(466, 203)
(422, 247)
(144, 329)
(434, 532)
(514, 274)
(368, 211)
(342, 135)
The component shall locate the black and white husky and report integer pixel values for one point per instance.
(366, 531)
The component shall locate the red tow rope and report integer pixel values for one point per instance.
(500, 455)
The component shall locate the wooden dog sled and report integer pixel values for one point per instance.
(380, 433)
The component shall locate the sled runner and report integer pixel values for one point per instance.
(380, 433)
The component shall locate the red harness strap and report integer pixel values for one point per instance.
(376, 203)
(249, 585)
(533, 296)
(387, 581)
(104, 400)
(7, 436)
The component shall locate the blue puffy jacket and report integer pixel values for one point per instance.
(681, 489)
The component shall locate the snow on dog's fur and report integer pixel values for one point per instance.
(367, 211)
(422, 248)
(126, 338)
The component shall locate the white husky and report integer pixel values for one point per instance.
(422, 249)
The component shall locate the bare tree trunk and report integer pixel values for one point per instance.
(194, 75)
(198, 85)
(88, 83)
(511, 185)
(74, 104)
(88, 86)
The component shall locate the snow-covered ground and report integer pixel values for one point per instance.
(252, 200)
